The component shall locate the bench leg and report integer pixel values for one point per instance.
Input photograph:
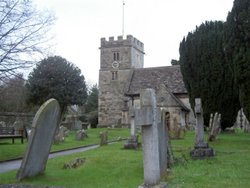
(13, 140)
(22, 140)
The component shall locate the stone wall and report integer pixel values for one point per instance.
(111, 97)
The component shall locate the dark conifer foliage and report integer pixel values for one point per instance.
(55, 77)
(238, 49)
(207, 73)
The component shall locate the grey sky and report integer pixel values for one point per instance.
(159, 24)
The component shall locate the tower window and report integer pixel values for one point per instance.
(116, 56)
(114, 75)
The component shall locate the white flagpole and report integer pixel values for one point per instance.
(123, 4)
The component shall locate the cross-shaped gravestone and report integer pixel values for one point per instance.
(132, 142)
(201, 148)
(154, 140)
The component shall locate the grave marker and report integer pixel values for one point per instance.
(201, 148)
(154, 140)
(104, 138)
(43, 128)
(132, 142)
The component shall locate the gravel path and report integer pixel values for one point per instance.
(15, 164)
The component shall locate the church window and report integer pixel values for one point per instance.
(114, 75)
(116, 56)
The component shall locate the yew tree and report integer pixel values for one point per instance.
(207, 73)
(238, 49)
(55, 77)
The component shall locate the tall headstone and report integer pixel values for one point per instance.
(104, 138)
(44, 126)
(59, 136)
(201, 148)
(214, 129)
(154, 140)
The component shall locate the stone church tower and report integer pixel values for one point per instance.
(118, 60)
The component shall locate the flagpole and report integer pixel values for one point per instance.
(123, 4)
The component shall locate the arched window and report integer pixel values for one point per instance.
(116, 56)
(114, 75)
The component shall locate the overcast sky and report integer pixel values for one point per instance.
(159, 24)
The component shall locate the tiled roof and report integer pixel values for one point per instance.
(152, 77)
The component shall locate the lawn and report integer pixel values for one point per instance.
(111, 166)
(12, 151)
(230, 168)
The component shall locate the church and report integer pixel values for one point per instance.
(121, 77)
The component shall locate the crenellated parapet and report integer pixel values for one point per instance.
(128, 41)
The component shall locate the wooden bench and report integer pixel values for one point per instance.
(9, 132)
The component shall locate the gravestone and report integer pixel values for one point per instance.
(65, 131)
(201, 148)
(18, 125)
(214, 126)
(132, 142)
(72, 122)
(43, 128)
(154, 140)
(60, 136)
(104, 138)
(81, 134)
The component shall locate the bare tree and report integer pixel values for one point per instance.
(23, 37)
(13, 95)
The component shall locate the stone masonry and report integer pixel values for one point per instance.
(122, 76)
(118, 57)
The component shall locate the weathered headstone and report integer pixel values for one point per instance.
(72, 122)
(154, 140)
(214, 128)
(65, 131)
(201, 148)
(43, 129)
(104, 138)
(132, 142)
(18, 125)
(81, 134)
(211, 122)
(60, 136)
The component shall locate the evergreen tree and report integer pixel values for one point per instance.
(207, 74)
(55, 77)
(92, 100)
(238, 49)
(175, 62)
(91, 107)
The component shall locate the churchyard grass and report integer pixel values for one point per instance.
(11, 151)
(111, 166)
(230, 167)
(105, 167)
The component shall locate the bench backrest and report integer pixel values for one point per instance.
(6, 130)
